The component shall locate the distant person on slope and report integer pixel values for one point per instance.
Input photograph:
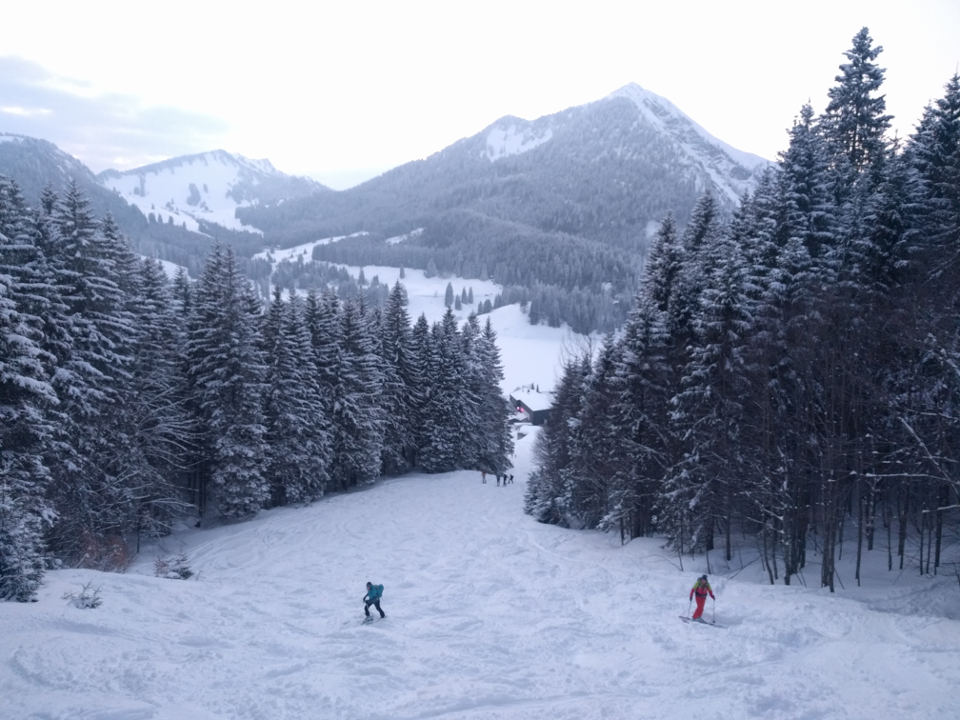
(374, 593)
(701, 588)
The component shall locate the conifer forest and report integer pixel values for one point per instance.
(128, 401)
(790, 376)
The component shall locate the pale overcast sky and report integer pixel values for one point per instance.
(344, 90)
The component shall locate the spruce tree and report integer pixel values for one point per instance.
(357, 416)
(226, 374)
(597, 449)
(91, 489)
(639, 415)
(496, 439)
(297, 429)
(547, 498)
(26, 431)
(855, 121)
(447, 405)
(402, 379)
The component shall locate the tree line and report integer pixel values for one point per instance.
(791, 375)
(129, 402)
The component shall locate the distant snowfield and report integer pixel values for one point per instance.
(490, 615)
(511, 138)
(162, 192)
(531, 355)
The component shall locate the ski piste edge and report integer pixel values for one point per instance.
(691, 621)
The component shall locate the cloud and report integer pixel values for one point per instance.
(101, 130)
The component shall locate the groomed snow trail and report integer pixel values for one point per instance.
(490, 615)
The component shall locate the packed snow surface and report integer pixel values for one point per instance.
(490, 615)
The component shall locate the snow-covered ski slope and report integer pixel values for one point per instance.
(489, 616)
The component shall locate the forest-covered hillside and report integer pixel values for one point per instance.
(790, 374)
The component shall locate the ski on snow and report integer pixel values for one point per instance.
(700, 622)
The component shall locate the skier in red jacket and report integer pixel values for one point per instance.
(701, 588)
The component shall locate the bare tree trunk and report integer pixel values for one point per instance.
(939, 529)
(860, 502)
(767, 560)
(888, 522)
(902, 529)
(829, 534)
(729, 545)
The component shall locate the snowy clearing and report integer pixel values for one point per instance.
(489, 615)
(531, 354)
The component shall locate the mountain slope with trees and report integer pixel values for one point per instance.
(790, 373)
(559, 210)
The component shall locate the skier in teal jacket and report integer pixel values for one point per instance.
(374, 592)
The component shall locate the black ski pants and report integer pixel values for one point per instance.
(376, 604)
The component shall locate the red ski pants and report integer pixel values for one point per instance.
(701, 601)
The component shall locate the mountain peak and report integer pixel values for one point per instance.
(206, 187)
(633, 91)
(663, 115)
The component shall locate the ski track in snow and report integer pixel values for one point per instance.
(490, 615)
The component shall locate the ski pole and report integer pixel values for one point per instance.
(689, 607)
(713, 620)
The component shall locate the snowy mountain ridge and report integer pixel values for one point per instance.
(66, 166)
(659, 111)
(206, 188)
(732, 172)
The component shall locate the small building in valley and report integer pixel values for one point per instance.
(531, 405)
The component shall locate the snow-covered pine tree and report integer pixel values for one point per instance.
(402, 378)
(441, 450)
(855, 122)
(145, 497)
(933, 153)
(708, 411)
(639, 413)
(322, 315)
(663, 266)
(226, 373)
(497, 441)
(164, 434)
(181, 294)
(318, 429)
(546, 498)
(597, 455)
(421, 343)
(473, 389)
(927, 394)
(26, 431)
(357, 416)
(91, 490)
(297, 428)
